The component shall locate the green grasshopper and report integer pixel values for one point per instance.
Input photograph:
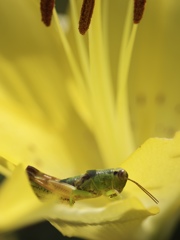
(94, 183)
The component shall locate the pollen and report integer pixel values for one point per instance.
(46, 7)
(139, 6)
(85, 16)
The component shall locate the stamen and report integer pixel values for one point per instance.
(46, 7)
(139, 6)
(85, 16)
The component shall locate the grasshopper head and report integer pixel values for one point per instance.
(122, 176)
(120, 179)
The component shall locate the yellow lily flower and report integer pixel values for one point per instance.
(70, 103)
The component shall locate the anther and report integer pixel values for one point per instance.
(85, 16)
(139, 6)
(46, 7)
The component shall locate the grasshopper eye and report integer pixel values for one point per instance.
(122, 174)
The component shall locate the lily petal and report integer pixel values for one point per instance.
(155, 165)
(154, 74)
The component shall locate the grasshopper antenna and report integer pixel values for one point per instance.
(144, 190)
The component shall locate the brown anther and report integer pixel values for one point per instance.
(86, 14)
(46, 7)
(139, 6)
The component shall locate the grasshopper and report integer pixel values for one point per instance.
(92, 184)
